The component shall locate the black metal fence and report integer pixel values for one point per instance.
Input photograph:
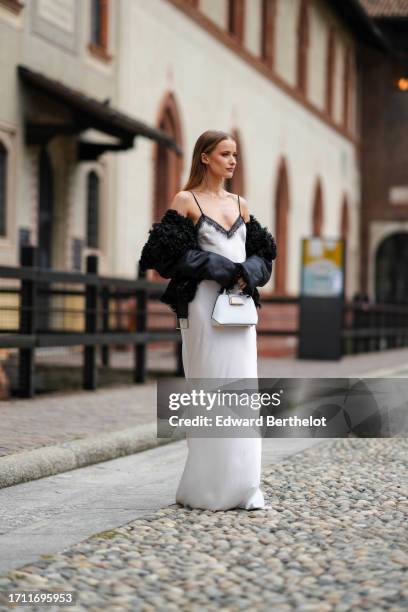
(374, 327)
(51, 308)
(45, 319)
(366, 326)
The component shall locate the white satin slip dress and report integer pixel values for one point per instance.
(220, 473)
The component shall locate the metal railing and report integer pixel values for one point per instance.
(37, 315)
(66, 309)
(374, 327)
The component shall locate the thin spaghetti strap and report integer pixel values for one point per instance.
(197, 203)
(239, 204)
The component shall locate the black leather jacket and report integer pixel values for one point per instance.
(173, 250)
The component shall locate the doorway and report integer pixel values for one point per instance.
(391, 264)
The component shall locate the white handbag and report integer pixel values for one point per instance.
(234, 309)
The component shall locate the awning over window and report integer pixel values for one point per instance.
(85, 113)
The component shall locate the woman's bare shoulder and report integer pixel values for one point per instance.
(182, 203)
(244, 209)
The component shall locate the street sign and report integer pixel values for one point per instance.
(322, 267)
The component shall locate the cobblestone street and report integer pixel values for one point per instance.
(333, 538)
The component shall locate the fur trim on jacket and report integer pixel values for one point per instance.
(169, 241)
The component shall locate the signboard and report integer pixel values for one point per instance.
(322, 267)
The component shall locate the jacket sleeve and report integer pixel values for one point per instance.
(202, 265)
(256, 271)
(173, 250)
(168, 240)
(261, 251)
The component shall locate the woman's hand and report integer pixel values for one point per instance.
(241, 282)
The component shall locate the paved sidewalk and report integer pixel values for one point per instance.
(35, 515)
(51, 434)
(332, 538)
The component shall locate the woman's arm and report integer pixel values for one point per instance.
(261, 251)
(245, 215)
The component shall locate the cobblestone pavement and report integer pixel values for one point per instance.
(333, 538)
(42, 421)
(50, 419)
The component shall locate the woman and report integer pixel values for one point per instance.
(221, 245)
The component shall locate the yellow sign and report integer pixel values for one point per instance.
(322, 267)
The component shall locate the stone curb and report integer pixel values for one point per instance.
(49, 460)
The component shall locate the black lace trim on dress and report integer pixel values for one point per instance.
(230, 232)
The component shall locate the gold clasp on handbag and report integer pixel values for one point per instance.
(236, 300)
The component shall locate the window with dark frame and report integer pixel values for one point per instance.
(346, 89)
(303, 47)
(330, 68)
(92, 208)
(99, 27)
(236, 19)
(3, 190)
(268, 31)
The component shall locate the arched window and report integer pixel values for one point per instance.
(330, 70)
(3, 189)
(347, 84)
(281, 227)
(236, 19)
(391, 261)
(268, 31)
(317, 216)
(235, 184)
(92, 208)
(303, 47)
(167, 164)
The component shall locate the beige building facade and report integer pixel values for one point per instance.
(280, 75)
(186, 68)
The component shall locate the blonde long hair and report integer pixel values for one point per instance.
(205, 144)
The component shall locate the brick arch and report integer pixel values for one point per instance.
(281, 225)
(391, 257)
(302, 47)
(317, 214)
(236, 184)
(330, 70)
(347, 88)
(166, 163)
